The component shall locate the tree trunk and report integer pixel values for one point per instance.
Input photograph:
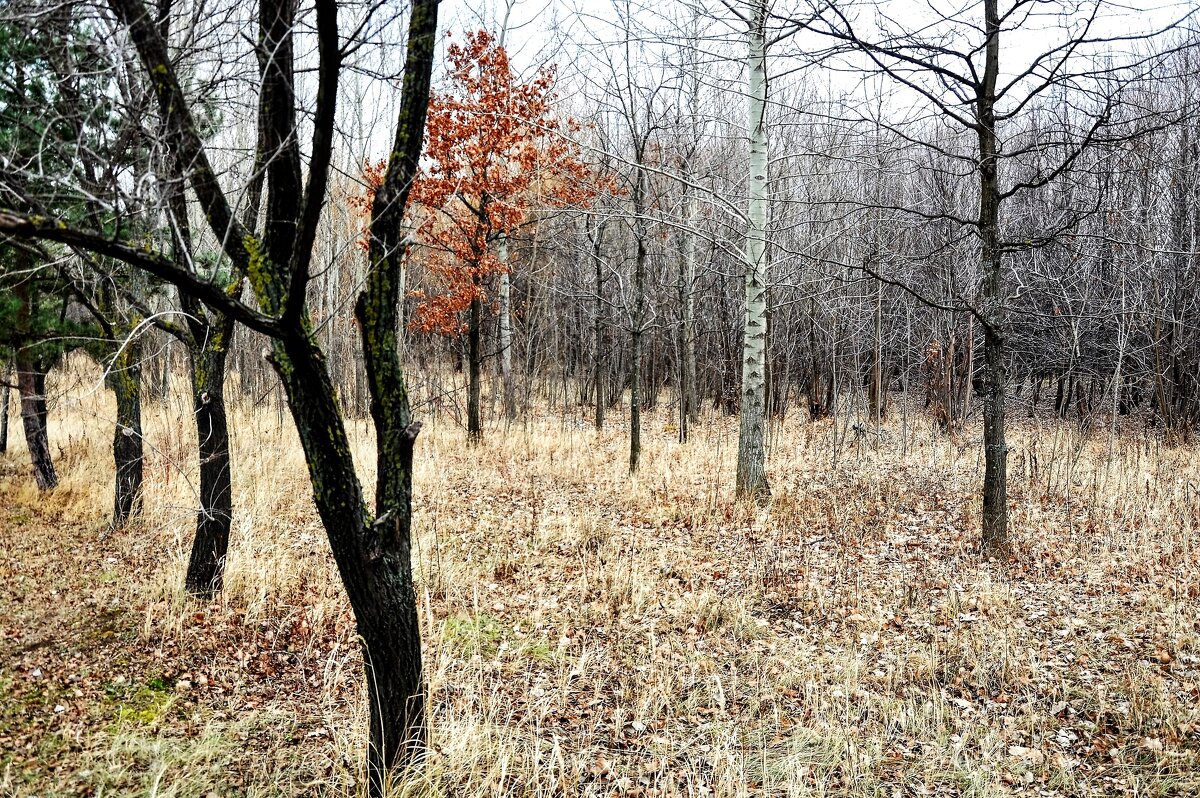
(638, 326)
(31, 385)
(951, 381)
(691, 257)
(635, 345)
(968, 377)
(995, 474)
(206, 567)
(4, 398)
(124, 377)
(876, 397)
(373, 553)
(506, 375)
(475, 364)
(598, 330)
(164, 383)
(635, 400)
(751, 465)
(816, 407)
(687, 322)
(374, 558)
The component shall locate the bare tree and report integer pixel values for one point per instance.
(372, 549)
(950, 64)
(752, 454)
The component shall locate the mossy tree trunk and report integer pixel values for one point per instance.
(372, 550)
(373, 554)
(210, 546)
(379, 580)
(124, 378)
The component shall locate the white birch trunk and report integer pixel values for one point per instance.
(751, 466)
(510, 404)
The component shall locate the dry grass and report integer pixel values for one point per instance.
(588, 633)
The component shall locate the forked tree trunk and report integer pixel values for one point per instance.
(474, 370)
(31, 385)
(373, 558)
(373, 552)
(751, 464)
(378, 577)
(124, 377)
(206, 566)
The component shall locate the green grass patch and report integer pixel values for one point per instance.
(480, 635)
(139, 705)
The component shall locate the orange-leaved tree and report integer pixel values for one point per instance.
(497, 157)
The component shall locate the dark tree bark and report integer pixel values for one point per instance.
(373, 556)
(475, 371)
(387, 605)
(601, 397)
(995, 459)
(876, 395)
(208, 335)
(31, 388)
(638, 322)
(372, 550)
(206, 566)
(635, 358)
(124, 378)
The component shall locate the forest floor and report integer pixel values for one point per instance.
(592, 634)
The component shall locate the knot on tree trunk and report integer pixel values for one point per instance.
(384, 529)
